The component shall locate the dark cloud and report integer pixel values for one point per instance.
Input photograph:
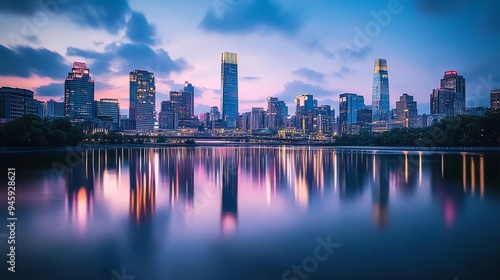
(309, 74)
(248, 16)
(250, 78)
(24, 61)
(486, 10)
(108, 15)
(51, 90)
(139, 30)
(296, 87)
(129, 57)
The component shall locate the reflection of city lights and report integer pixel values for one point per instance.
(472, 175)
(442, 166)
(449, 212)
(406, 166)
(464, 172)
(420, 168)
(229, 223)
(481, 175)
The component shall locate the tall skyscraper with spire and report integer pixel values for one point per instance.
(380, 92)
(79, 93)
(142, 100)
(229, 87)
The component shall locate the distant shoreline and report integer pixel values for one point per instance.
(84, 147)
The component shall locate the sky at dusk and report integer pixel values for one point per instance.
(285, 48)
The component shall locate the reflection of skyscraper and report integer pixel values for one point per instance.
(79, 93)
(229, 211)
(142, 100)
(142, 185)
(229, 87)
(380, 91)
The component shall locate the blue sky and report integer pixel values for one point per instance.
(285, 48)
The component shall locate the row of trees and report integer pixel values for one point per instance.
(461, 131)
(33, 131)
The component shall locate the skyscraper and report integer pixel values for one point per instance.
(53, 108)
(456, 83)
(304, 112)
(168, 118)
(182, 104)
(349, 104)
(229, 87)
(79, 93)
(380, 91)
(406, 110)
(495, 99)
(443, 102)
(276, 113)
(110, 108)
(142, 100)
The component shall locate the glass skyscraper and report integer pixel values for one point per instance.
(142, 100)
(380, 92)
(456, 83)
(349, 104)
(79, 93)
(229, 87)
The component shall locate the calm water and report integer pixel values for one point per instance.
(254, 213)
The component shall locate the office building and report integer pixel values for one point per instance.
(324, 119)
(17, 102)
(456, 83)
(276, 113)
(495, 99)
(142, 100)
(257, 118)
(349, 104)
(183, 104)
(406, 110)
(53, 108)
(443, 102)
(168, 118)
(109, 108)
(79, 93)
(229, 88)
(365, 119)
(380, 92)
(304, 112)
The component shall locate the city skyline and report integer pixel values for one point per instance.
(331, 49)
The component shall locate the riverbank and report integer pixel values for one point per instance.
(84, 147)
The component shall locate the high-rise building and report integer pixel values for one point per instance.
(349, 104)
(495, 99)
(304, 112)
(276, 113)
(406, 110)
(380, 92)
(168, 118)
(142, 100)
(229, 87)
(16, 102)
(214, 113)
(443, 102)
(456, 83)
(365, 119)
(324, 119)
(53, 108)
(183, 104)
(79, 93)
(109, 108)
(257, 118)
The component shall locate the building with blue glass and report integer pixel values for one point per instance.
(349, 104)
(229, 87)
(380, 92)
(79, 93)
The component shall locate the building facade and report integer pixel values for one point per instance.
(168, 118)
(229, 88)
(443, 102)
(109, 108)
(380, 92)
(406, 110)
(53, 108)
(304, 112)
(79, 93)
(495, 99)
(456, 83)
(142, 100)
(349, 104)
(17, 102)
